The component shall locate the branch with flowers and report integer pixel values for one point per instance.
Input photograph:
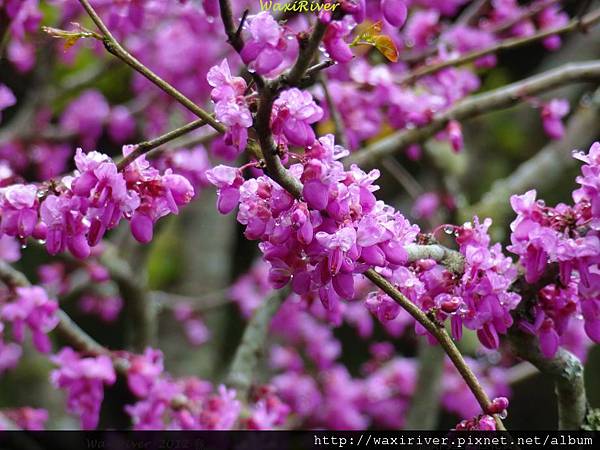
(332, 252)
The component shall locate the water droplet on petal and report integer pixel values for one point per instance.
(503, 414)
(449, 229)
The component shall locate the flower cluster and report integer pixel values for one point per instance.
(190, 403)
(563, 243)
(230, 105)
(26, 418)
(318, 244)
(76, 214)
(30, 307)
(83, 378)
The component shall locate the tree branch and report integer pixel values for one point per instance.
(250, 349)
(442, 336)
(453, 260)
(306, 56)
(113, 46)
(577, 24)
(478, 104)
(146, 146)
(567, 372)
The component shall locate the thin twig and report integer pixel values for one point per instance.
(441, 335)
(306, 56)
(113, 46)
(146, 146)
(576, 24)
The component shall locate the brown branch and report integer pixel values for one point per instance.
(441, 335)
(146, 146)
(308, 50)
(113, 46)
(476, 105)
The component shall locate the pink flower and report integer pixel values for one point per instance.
(144, 371)
(10, 354)
(26, 418)
(552, 114)
(7, 98)
(231, 108)
(227, 181)
(86, 116)
(18, 204)
(293, 112)
(121, 124)
(263, 51)
(84, 380)
(32, 308)
(394, 12)
(335, 43)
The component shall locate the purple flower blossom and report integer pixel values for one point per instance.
(230, 107)
(552, 115)
(32, 308)
(394, 12)
(86, 116)
(84, 380)
(263, 51)
(293, 112)
(7, 98)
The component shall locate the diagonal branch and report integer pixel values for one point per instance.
(545, 168)
(476, 105)
(250, 349)
(113, 46)
(146, 146)
(578, 24)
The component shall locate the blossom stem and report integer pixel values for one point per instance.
(566, 370)
(577, 24)
(279, 174)
(146, 146)
(476, 105)
(113, 46)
